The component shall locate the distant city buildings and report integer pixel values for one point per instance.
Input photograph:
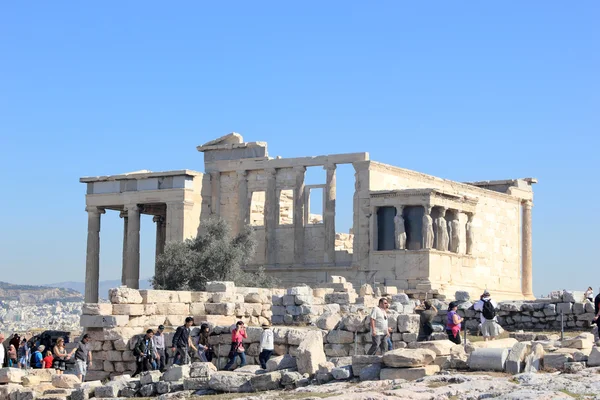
(21, 318)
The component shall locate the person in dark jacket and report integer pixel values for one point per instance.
(145, 352)
(182, 341)
(204, 350)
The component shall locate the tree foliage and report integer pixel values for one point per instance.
(213, 255)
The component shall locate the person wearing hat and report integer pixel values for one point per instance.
(159, 346)
(266, 345)
(38, 357)
(453, 323)
(490, 328)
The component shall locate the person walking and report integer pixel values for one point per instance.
(60, 355)
(83, 357)
(3, 358)
(490, 328)
(453, 323)
(267, 345)
(237, 348)
(379, 327)
(144, 352)
(182, 341)
(158, 340)
(23, 354)
(426, 322)
(589, 294)
(203, 345)
(38, 357)
(15, 341)
(12, 356)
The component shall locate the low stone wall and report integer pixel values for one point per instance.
(541, 314)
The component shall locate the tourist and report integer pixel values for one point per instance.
(68, 338)
(182, 341)
(159, 346)
(12, 356)
(48, 360)
(203, 346)
(38, 358)
(15, 341)
(23, 354)
(453, 323)
(3, 358)
(60, 354)
(589, 294)
(379, 327)
(266, 345)
(144, 352)
(426, 322)
(490, 328)
(237, 348)
(83, 356)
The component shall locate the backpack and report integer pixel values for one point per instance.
(488, 310)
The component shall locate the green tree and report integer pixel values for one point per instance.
(213, 255)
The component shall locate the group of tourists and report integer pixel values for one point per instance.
(381, 333)
(151, 352)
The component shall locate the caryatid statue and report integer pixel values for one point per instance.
(454, 234)
(470, 233)
(399, 229)
(442, 231)
(427, 229)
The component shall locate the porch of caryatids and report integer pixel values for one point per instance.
(92, 260)
(123, 214)
(470, 234)
(454, 233)
(399, 229)
(271, 213)
(442, 238)
(427, 229)
(329, 214)
(299, 222)
(132, 278)
(526, 249)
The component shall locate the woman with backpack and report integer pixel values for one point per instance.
(490, 328)
(237, 348)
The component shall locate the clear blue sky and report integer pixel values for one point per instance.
(466, 91)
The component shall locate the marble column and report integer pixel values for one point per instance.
(400, 229)
(160, 234)
(92, 260)
(299, 215)
(470, 234)
(361, 226)
(123, 214)
(132, 279)
(329, 214)
(442, 240)
(215, 193)
(243, 201)
(526, 251)
(271, 214)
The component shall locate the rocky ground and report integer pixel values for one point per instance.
(445, 386)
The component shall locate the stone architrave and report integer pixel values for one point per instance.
(399, 229)
(442, 231)
(454, 234)
(427, 229)
(470, 234)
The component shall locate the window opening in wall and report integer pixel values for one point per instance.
(385, 228)
(315, 206)
(286, 207)
(257, 209)
(344, 207)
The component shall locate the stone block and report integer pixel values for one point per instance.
(149, 377)
(96, 309)
(573, 296)
(339, 298)
(370, 372)
(224, 381)
(103, 321)
(171, 309)
(549, 309)
(11, 375)
(556, 360)
(45, 374)
(507, 343)
(199, 297)
(176, 373)
(339, 337)
(410, 374)
(331, 308)
(408, 323)
(488, 359)
(255, 298)
(148, 390)
(565, 308)
(581, 341)
(301, 300)
(439, 347)
(163, 387)
(366, 290)
(195, 383)
(354, 323)
(218, 286)
(266, 381)
(124, 295)
(281, 362)
(30, 380)
(594, 357)
(534, 359)
(128, 309)
(220, 308)
(300, 290)
(65, 381)
(328, 321)
(409, 337)
(407, 358)
(515, 363)
(311, 353)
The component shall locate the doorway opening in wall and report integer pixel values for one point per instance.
(286, 207)
(315, 206)
(257, 209)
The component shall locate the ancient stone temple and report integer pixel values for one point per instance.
(411, 230)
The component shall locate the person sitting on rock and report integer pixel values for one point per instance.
(490, 329)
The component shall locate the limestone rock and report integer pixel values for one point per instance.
(507, 343)
(582, 341)
(195, 383)
(65, 381)
(96, 309)
(148, 390)
(311, 353)
(556, 360)
(328, 321)
(408, 323)
(300, 290)
(594, 357)
(11, 375)
(31, 380)
(149, 377)
(290, 378)
(163, 387)
(370, 372)
(340, 337)
(176, 373)
(410, 374)
(406, 358)
(266, 381)
(202, 370)
(123, 295)
(218, 286)
(573, 296)
(366, 290)
(281, 362)
(515, 362)
(45, 374)
(340, 373)
(224, 381)
(439, 347)
(354, 322)
(573, 367)
(534, 359)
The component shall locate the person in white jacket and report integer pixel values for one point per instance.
(266, 345)
(490, 328)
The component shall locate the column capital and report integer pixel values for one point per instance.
(299, 169)
(132, 207)
(271, 172)
(361, 165)
(95, 210)
(330, 166)
(242, 174)
(470, 215)
(123, 214)
(527, 204)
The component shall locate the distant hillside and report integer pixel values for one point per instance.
(28, 294)
(102, 287)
